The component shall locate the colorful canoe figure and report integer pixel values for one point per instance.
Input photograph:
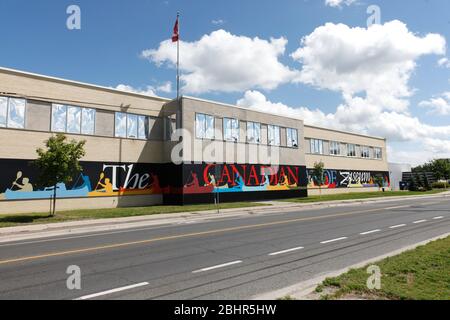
(47, 193)
(194, 187)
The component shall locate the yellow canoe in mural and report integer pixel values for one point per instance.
(281, 187)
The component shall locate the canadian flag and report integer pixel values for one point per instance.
(176, 34)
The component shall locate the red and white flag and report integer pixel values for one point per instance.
(176, 33)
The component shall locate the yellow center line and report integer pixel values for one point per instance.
(187, 235)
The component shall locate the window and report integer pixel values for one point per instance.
(253, 132)
(335, 148)
(316, 146)
(73, 119)
(204, 126)
(12, 113)
(132, 126)
(365, 152)
(3, 111)
(378, 154)
(351, 150)
(143, 127)
(292, 137)
(121, 125)
(59, 118)
(88, 121)
(231, 129)
(274, 135)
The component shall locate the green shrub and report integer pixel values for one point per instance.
(440, 185)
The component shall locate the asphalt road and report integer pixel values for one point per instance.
(230, 258)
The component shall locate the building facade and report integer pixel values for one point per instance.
(143, 150)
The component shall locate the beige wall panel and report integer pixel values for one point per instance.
(43, 206)
(38, 116)
(20, 144)
(104, 123)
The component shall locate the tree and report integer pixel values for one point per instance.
(412, 184)
(379, 181)
(59, 163)
(426, 182)
(441, 169)
(319, 175)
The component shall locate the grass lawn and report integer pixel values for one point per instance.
(420, 274)
(40, 218)
(362, 195)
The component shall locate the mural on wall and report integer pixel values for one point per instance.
(19, 181)
(229, 178)
(348, 179)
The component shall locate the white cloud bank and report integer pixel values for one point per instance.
(339, 3)
(371, 68)
(438, 105)
(166, 87)
(223, 62)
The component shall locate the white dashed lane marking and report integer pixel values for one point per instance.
(333, 240)
(218, 266)
(104, 293)
(370, 232)
(285, 251)
(397, 226)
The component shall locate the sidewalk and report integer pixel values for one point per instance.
(37, 231)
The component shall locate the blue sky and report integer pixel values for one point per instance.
(107, 51)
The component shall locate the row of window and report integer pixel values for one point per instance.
(132, 126)
(71, 119)
(205, 126)
(336, 149)
(12, 113)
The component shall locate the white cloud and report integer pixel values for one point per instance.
(371, 68)
(166, 87)
(223, 62)
(339, 3)
(438, 105)
(257, 101)
(377, 61)
(149, 90)
(218, 22)
(444, 62)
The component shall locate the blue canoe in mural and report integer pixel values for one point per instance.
(241, 187)
(47, 193)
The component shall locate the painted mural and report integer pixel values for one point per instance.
(19, 180)
(348, 179)
(238, 178)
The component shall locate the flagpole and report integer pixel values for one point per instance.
(178, 58)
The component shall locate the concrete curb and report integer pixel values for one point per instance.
(300, 291)
(37, 231)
